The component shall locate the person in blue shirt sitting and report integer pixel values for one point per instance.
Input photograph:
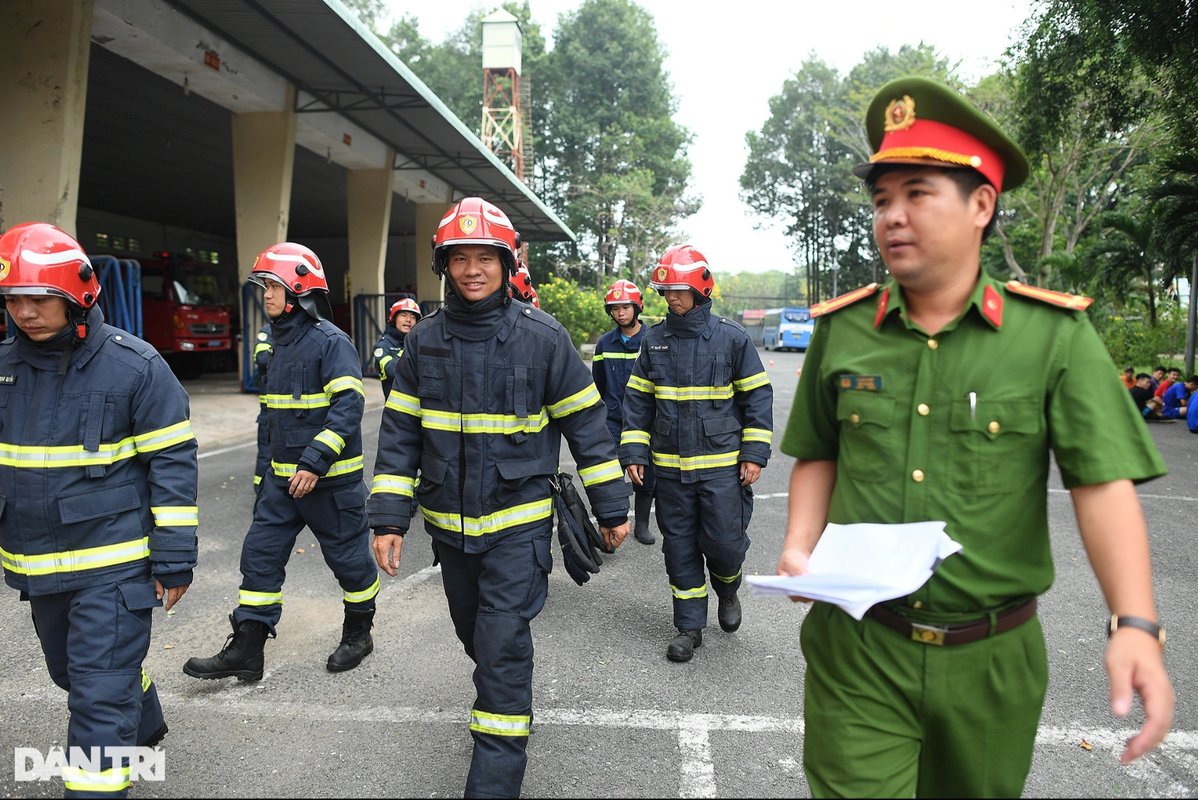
(1177, 398)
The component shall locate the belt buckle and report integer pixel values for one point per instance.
(928, 634)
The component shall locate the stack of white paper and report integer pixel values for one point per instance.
(856, 566)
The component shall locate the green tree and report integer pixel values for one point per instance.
(1130, 255)
(613, 156)
(579, 310)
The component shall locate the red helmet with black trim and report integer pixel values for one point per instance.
(292, 265)
(683, 267)
(475, 221)
(404, 304)
(37, 258)
(522, 288)
(621, 292)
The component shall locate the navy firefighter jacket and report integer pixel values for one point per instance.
(611, 367)
(698, 399)
(386, 350)
(482, 397)
(98, 466)
(312, 403)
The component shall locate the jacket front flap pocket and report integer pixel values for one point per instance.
(139, 595)
(662, 425)
(300, 436)
(432, 468)
(994, 418)
(518, 470)
(105, 502)
(865, 408)
(432, 391)
(718, 425)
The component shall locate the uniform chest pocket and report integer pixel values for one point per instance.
(97, 426)
(1000, 448)
(432, 380)
(721, 370)
(866, 436)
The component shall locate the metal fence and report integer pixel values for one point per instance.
(253, 317)
(120, 294)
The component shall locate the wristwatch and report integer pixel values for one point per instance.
(1151, 628)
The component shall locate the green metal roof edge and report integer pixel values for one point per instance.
(406, 73)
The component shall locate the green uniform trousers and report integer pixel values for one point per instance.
(890, 717)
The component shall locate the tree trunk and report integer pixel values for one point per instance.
(1151, 298)
(1190, 318)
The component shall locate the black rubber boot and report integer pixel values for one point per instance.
(729, 613)
(684, 645)
(640, 528)
(356, 642)
(240, 658)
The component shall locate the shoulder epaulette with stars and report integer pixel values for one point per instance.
(1074, 302)
(837, 303)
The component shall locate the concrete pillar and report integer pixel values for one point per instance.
(428, 216)
(369, 193)
(44, 48)
(263, 160)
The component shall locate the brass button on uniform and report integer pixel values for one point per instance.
(933, 344)
(923, 409)
(917, 475)
(917, 604)
(854, 418)
(993, 427)
(927, 636)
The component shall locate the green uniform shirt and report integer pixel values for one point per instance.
(909, 447)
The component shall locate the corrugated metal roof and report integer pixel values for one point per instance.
(322, 48)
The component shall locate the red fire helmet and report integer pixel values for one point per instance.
(683, 267)
(522, 287)
(475, 221)
(39, 259)
(292, 265)
(404, 304)
(623, 291)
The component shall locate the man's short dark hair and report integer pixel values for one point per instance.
(1159, 368)
(1175, 369)
(1142, 376)
(967, 180)
(1191, 379)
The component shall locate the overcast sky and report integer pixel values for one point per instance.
(725, 67)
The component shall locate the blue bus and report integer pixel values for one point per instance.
(787, 329)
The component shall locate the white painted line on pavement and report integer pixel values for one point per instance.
(698, 773)
(228, 449)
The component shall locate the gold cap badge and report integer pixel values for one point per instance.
(900, 114)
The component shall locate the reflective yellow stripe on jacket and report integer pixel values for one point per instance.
(614, 355)
(575, 402)
(76, 560)
(696, 462)
(491, 523)
(634, 437)
(607, 471)
(393, 484)
(751, 382)
(175, 516)
(338, 468)
(331, 440)
(33, 457)
(756, 435)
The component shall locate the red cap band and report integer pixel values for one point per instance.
(936, 141)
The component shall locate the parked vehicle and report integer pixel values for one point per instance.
(184, 312)
(787, 329)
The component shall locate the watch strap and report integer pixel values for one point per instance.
(1149, 627)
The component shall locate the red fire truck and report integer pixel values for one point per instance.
(184, 312)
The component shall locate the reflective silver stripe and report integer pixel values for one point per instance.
(640, 384)
(175, 516)
(76, 560)
(634, 437)
(344, 384)
(607, 471)
(393, 484)
(575, 402)
(751, 382)
(365, 594)
(499, 724)
(689, 594)
(696, 462)
(332, 440)
(756, 435)
(397, 401)
(383, 362)
(247, 598)
(491, 523)
(733, 579)
(164, 437)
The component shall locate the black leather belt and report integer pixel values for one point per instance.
(962, 633)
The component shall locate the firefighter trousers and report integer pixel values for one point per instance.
(94, 641)
(493, 597)
(703, 524)
(336, 516)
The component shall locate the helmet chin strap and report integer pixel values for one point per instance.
(76, 317)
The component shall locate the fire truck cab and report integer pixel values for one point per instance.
(184, 314)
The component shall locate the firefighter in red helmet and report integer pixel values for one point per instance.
(484, 392)
(699, 408)
(404, 313)
(311, 470)
(99, 479)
